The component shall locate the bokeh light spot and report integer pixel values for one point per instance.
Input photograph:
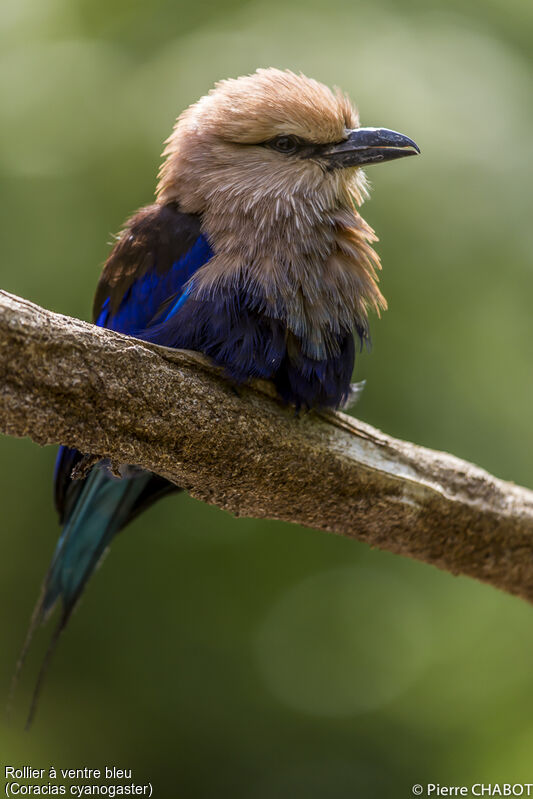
(343, 642)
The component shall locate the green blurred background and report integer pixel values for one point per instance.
(223, 657)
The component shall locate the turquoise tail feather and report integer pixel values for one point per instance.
(103, 508)
(104, 505)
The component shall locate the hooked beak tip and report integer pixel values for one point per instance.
(370, 145)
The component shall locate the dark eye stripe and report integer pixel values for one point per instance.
(285, 144)
(289, 144)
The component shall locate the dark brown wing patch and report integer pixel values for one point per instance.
(157, 235)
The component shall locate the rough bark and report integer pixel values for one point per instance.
(65, 381)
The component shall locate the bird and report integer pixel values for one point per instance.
(253, 253)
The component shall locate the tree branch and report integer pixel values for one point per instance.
(65, 381)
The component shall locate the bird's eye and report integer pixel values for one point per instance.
(285, 144)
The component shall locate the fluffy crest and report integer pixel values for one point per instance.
(257, 107)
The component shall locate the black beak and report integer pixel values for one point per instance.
(368, 146)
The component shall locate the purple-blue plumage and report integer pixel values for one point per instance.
(236, 333)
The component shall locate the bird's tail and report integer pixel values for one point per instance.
(105, 504)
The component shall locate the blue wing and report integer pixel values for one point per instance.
(158, 251)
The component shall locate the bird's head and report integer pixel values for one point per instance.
(270, 138)
(272, 162)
